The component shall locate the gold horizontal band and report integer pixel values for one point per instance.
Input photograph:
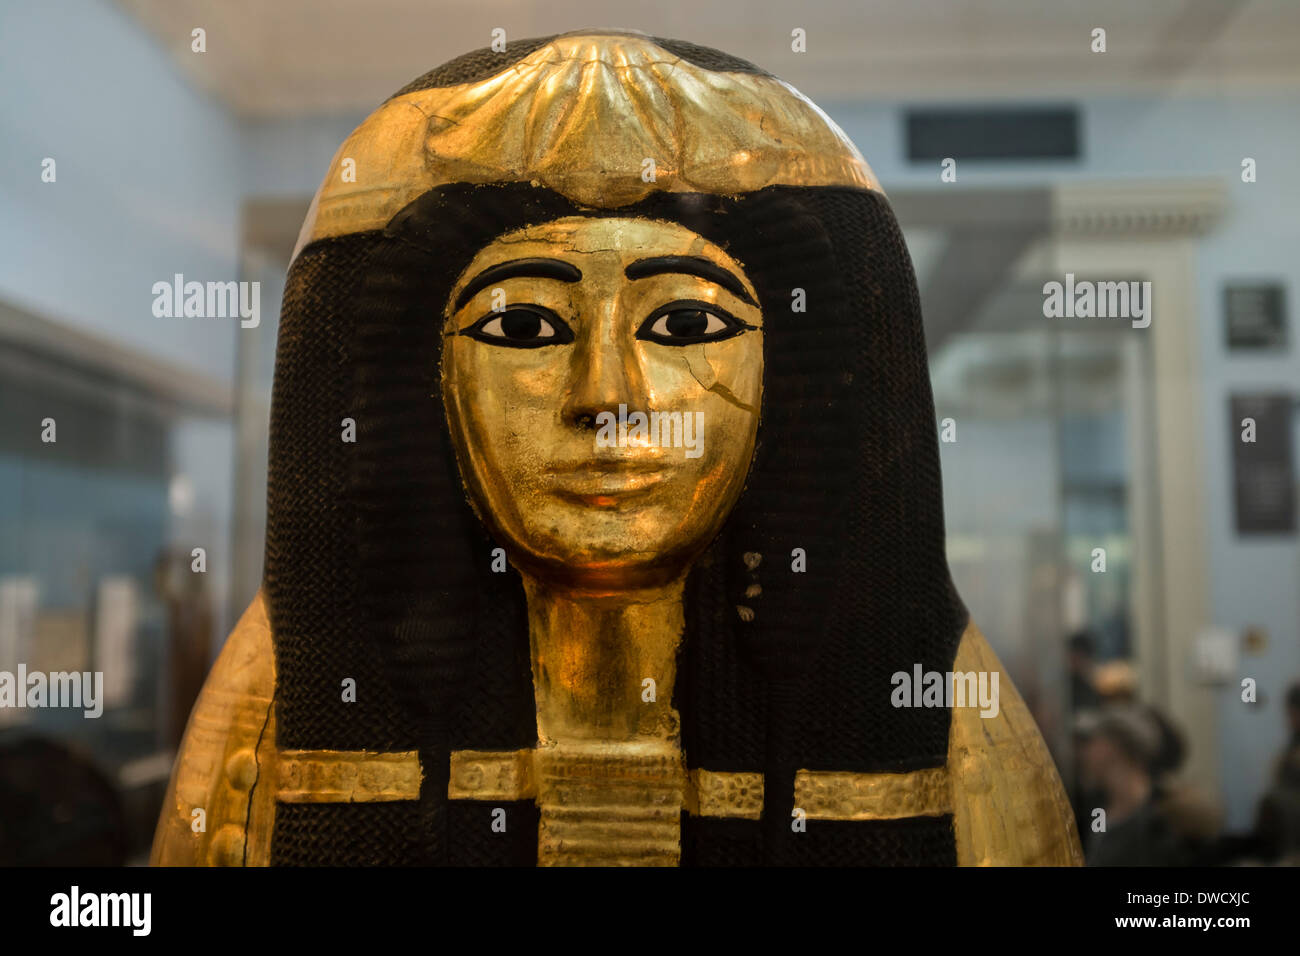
(511, 775)
(491, 775)
(332, 776)
(346, 776)
(830, 795)
(728, 794)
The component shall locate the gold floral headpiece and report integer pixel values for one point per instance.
(602, 118)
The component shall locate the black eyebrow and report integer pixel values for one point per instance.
(539, 268)
(691, 266)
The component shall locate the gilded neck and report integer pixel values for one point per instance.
(610, 775)
(604, 665)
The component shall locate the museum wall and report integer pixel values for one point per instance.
(142, 192)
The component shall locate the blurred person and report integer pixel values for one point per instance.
(1116, 684)
(1080, 656)
(1277, 826)
(1149, 820)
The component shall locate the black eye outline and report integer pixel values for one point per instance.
(563, 334)
(734, 325)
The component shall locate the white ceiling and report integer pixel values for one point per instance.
(276, 57)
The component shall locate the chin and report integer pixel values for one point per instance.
(606, 562)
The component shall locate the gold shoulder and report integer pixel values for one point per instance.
(1009, 807)
(226, 760)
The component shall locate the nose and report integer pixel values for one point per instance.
(606, 372)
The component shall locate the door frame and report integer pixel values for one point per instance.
(1151, 229)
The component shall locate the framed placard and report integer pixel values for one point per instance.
(1254, 315)
(1263, 463)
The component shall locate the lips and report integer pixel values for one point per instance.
(607, 482)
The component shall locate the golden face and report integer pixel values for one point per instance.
(602, 379)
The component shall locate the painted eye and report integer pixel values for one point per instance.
(521, 327)
(688, 322)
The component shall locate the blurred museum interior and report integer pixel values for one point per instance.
(1134, 563)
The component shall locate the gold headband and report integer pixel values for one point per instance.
(586, 115)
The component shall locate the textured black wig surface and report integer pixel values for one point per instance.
(378, 570)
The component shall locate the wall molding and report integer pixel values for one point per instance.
(1142, 208)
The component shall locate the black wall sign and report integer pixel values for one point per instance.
(1254, 316)
(1264, 477)
(993, 132)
